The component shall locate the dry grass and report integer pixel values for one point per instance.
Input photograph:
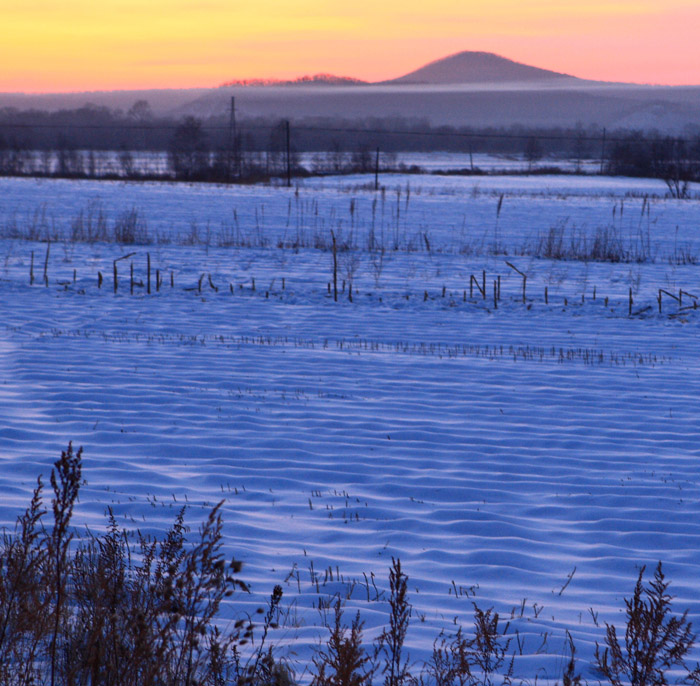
(122, 609)
(117, 609)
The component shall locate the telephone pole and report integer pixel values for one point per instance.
(232, 157)
(289, 161)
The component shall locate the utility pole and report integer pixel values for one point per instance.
(231, 139)
(289, 161)
(376, 172)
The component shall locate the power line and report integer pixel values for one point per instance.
(426, 133)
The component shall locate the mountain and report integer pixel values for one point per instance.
(461, 68)
(477, 67)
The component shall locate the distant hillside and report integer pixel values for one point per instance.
(474, 89)
(476, 67)
(461, 68)
(315, 79)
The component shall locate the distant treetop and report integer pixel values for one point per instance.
(314, 79)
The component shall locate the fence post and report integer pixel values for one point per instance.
(46, 263)
(335, 267)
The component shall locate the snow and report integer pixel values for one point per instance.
(532, 456)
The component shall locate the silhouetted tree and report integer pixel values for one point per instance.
(188, 154)
(533, 151)
(140, 111)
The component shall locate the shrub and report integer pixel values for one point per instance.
(343, 660)
(119, 609)
(655, 640)
(392, 639)
(130, 228)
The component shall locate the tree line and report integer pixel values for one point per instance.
(96, 141)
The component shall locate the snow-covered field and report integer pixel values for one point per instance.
(528, 457)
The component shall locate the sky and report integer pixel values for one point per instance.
(82, 45)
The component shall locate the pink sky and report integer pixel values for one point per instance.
(118, 44)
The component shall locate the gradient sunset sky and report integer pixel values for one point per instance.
(69, 45)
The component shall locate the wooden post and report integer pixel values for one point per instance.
(131, 278)
(495, 294)
(114, 266)
(483, 283)
(157, 280)
(172, 280)
(594, 290)
(514, 268)
(335, 268)
(546, 296)
(99, 279)
(659, 300)
(499, 286)
(148, 272)
(31, 270)
(630, 303)
(46, 263)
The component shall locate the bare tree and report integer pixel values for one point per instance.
(188, 154)
(533, 151)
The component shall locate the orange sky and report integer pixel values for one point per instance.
(68, 45)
